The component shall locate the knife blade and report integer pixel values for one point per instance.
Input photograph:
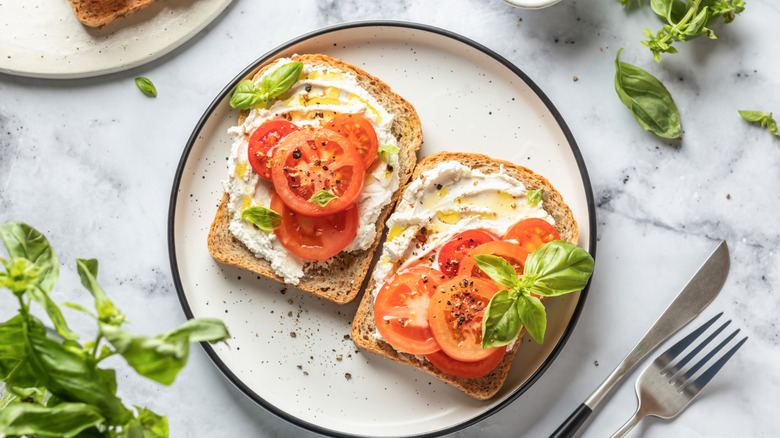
(699, 292)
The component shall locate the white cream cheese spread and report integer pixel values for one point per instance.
(320, 93)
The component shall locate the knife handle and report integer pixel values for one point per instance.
(568, 428)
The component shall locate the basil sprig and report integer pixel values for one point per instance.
(264, 218)
(146, 86)
(55, 386)
(534, 196)
(247, 94)
(647, 98)
(765, 119)
(385, 151)
(555, 268)
(322, 198)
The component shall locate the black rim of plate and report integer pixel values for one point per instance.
(413, 26)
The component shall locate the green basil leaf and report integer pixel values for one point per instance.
(200, 330)
(22, 240)
(282, 79)
(146, 86)
(771, 124)
(385, 151)
(264, 218)
(246, 95)
(501, 323)
(697, 26)
(106, 310)
(532, 315)
(156, 358)
(662, 8)
(80, 308)
(498, 269)
(649, 101)
(22, 275)
(64, 420)
(765, 119)
(557, 267)
(14, 369)
(73, 376)
(322, 198)
(752, 116)
(534, 196)
(53, 311)
(146, 425)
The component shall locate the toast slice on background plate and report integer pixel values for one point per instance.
(340, 279)
(98, 13)
(364, 331)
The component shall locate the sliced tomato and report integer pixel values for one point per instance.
(452, 252)
(532, 233)
(401, 310)
(315, 238)
(312, 160)
(455, 315)
(511, 252)
(262, 143)
(460, 368)
(358, 130)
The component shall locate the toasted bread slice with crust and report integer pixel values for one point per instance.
(485, 387)
(344, 275)
(98, 13)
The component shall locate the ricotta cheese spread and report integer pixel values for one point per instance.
(446, 200)
(320, 93)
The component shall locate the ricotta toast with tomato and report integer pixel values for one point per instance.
(319, 155)
(464, 269)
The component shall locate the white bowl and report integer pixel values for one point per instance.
(531, 4)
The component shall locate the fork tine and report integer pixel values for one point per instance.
(699, 383)
(682, 344)
(675, 369)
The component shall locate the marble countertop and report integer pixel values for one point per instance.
(90, 162)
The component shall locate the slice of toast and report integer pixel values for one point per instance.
(98, 13)
(484, 387)
(343, 277)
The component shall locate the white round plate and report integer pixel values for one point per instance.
(43, 38)
(291, 352)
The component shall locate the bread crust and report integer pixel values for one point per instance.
(345, 273)
(484, 387)
(98, 13)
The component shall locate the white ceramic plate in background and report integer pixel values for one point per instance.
(532, 4)
(43, 38)
(291, 352)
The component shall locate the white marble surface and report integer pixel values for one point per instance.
(90, 163)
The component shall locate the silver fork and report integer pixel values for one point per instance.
(664, 390)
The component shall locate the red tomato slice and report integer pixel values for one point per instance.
(466, 369)
(532, 233)
(452, 252)
(511, 252)
(262, 143)
(401, 310)
(358, 130)
(311, 160)
(455, 315)
(315, 238)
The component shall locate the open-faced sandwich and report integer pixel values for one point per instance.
(474, 246)
(319, 155)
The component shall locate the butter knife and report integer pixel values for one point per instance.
(694, 297)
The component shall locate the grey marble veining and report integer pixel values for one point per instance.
(90, 162)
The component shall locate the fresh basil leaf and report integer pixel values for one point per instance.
(72, 376)
(264, 218)
(282, 79)
(534, 196)
(752, 116)
(53, 311)
(322, 198)
(246, 95)
(146, 425)
(765, 119)
(531, 312)
(14, 369)
(662, 8)
(385, 151)
(498, 269)
(106, 310)
(156, 358)
(146, 86)
(649, 101)
(22, 240)
(64, 420)
(22, 275)
(556, 268)
(697, 26)
(501, 323)
(80, 308)
(200, 330)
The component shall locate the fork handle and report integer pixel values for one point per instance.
(624, 429)
(570, 426)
